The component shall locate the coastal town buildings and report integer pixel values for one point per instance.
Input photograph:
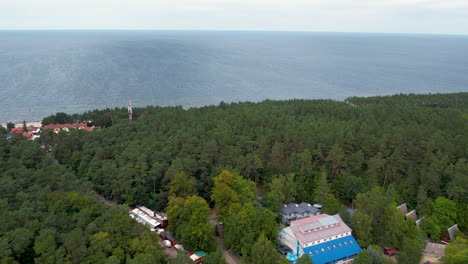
(67, 127)
(324, 238)
(32, 131)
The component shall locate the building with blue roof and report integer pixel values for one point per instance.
(324, 238)
(333, 251)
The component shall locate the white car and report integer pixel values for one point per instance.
(159, 230)
(179, 247)
(167, 243)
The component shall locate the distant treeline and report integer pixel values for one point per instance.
(104, 118)
(454, 100)
(418, 151)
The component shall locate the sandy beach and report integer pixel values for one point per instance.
(36, 124)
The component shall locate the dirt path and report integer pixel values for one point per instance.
(231, 257)
(171, 252)
(107, 202)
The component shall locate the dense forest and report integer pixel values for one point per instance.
(245, 160)
(48, 216)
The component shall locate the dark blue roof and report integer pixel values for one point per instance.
(298, 208)
(333, 250)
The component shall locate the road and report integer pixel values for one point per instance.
(231, 257)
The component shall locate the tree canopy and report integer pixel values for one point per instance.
(49, 216)
(373, 153)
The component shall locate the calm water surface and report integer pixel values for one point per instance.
(43, 72)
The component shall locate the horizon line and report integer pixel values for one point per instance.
(233, 30)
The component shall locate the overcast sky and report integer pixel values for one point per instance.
(398, 16)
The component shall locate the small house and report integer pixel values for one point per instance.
(293, 211)
(198, 256)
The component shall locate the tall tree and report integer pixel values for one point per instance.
(364, 257)
(189, 222)
(216, 258)
(331, 205)
(411, 251)
(336, 158)
(264, 252)
(456, 252)
(362, 228)
(231, 190)
(45, 246)
(394, 222)
(10, 126)
(182, 185)
(321, 191)
(282, 190)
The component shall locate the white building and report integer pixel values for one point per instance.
(324, 238)
(143, 215)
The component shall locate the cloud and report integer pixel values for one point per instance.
(425, 16)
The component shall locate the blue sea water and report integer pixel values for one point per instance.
(43, 72)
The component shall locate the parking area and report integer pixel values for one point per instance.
(171, 252)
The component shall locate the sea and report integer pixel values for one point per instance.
(44, 72)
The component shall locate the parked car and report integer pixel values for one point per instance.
(179, 247)
(167, 243)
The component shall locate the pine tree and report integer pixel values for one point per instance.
(263, 252)
(321, 191)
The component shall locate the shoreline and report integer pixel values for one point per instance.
(31, 123)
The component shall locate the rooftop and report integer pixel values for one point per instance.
(298, 208)
(412, 214)
(318, 227)
(144, 217)
(403, 208)
(74, 125)
(333, 250)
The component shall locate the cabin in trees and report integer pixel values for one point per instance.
(292, 211)
(324, 238)
(198, 256)
(147, 217)
(403, 208)
(143, 218)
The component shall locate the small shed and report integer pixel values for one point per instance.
(412, 214)
(403, 208)
(390, 251)
(451, 231)
(198, 256)
(419, 222)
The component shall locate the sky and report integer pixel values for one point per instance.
(386, 16)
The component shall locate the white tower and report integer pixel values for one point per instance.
(130, 111)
